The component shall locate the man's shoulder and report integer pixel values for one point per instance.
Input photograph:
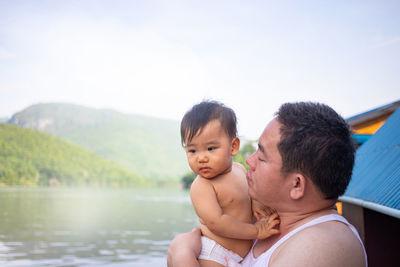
(329, 233)
(330, 243)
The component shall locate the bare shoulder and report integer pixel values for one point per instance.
(200, 184)
(239, 166)
(201, 188)
(327, 244)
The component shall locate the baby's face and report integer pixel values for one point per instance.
(210, 151)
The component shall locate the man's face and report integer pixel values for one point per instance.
(210, 152)
(264, 177)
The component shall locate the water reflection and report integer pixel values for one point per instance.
(91, 227)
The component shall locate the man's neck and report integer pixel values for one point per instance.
(292, 220)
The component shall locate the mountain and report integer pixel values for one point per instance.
(146, 145)
(31, 158)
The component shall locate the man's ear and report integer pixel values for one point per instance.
(235, 146)
(298, 186)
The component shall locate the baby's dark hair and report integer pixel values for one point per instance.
(200, 114)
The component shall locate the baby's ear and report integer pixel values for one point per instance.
(235, 146)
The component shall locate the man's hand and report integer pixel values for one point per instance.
(265, 226)
(184, 250)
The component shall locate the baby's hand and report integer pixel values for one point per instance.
(265, 226)
(259, 209)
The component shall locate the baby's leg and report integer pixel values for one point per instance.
(209, 263)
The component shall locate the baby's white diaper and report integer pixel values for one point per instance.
(212, 251)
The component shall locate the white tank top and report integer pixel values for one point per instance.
(263, 259)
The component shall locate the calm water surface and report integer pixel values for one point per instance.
(91, 227)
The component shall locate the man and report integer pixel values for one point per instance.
(303, 164)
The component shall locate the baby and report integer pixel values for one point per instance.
(220, 192)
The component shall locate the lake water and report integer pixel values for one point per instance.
(91, 227)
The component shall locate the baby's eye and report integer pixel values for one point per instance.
(192, 151)
(260, 159)
(211, 148)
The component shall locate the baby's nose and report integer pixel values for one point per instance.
(203, 157)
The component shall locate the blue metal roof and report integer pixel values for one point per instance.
(361, 138)
(375, 183)
(372, 110)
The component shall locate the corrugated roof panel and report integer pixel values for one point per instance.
(361, 138)
(376, 174)
(394, 104)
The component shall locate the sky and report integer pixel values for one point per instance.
(159, 58)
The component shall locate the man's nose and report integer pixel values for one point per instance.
(250, 161)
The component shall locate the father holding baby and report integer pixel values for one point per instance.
(303, 163)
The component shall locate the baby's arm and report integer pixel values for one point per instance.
(259, 209)
(205, 202)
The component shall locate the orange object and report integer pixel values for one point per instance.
(339, 207)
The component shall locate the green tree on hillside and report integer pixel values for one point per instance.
(144, 145)
(31, 158)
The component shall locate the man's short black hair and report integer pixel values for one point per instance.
(317, 142)
(204, 112)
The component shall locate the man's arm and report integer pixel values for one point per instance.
(184, 250)
(205, 202)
